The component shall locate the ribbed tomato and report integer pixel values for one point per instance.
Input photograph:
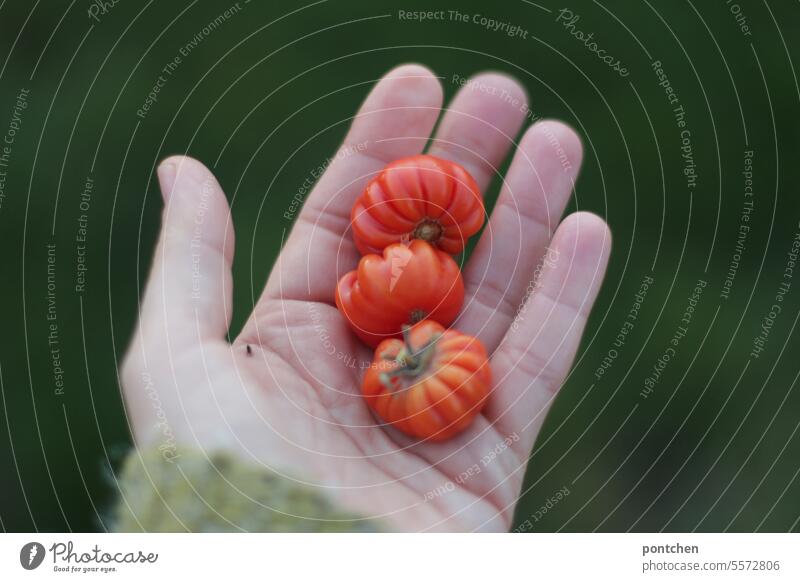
(408, 283)
(419, 197)
(432, 384)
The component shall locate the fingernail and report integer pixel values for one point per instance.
(166, 179)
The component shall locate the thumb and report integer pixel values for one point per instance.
(188, 294)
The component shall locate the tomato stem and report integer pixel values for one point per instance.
(428, 230)
(411, 362)
(417, 315)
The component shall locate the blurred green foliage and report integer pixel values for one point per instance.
(266, 97)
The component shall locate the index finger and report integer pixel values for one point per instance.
(395, 120)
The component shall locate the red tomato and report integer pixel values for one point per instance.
(419, 197)
(409, 283)
(430, 386)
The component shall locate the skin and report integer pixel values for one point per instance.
(285, 393)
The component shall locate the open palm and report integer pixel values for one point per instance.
(285, 393)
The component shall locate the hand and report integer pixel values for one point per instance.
(286, 394)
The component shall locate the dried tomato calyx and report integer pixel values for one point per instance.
(428, 230)
(410, 362)
(417, 315)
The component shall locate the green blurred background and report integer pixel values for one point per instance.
(713, 447)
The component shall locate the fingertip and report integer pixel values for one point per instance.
(183, 177)
(503, 86)
(399, 113)
(194, 201)
(576, 260)
(584, 223)
(586, 237)
(168, 170)
(559, 139)
(166, 178)
(481, 124)
(414, 85)
(186, 165)
(410, 70)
